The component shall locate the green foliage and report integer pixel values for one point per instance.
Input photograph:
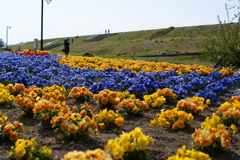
(225, 48)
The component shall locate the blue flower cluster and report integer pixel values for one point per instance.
(45, 70)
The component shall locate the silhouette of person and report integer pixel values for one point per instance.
(66, 47)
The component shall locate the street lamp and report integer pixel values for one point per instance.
(48, 1)
(8, 27)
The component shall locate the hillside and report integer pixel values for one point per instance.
(132, 44)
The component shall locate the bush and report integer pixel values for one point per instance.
(224, 48)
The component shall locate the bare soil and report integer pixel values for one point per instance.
(167, 141)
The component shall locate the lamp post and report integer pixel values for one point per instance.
(48, 1)
(8, 27)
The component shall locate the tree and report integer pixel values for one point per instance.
(1, 43)
(225, 47)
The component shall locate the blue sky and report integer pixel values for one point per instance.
(66, 18)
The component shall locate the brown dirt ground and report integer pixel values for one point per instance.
(166, 144)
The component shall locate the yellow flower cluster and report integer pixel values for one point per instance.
(97, 154)
(128, 144)
(55, 92)
(212, 135)
(8, 130)
(53, 88)
(27, 149)
(133, 106)
(184, 154)
(154, 100)
(193, 105)
(98, 63)
(74, 124)
(109, 119)
(80, 94)
(5, 96)
(3, 118)
(107, 98)
(229, 112)
(174, 119)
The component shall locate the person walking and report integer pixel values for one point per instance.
(66, 47)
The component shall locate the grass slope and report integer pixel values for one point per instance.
(145, 42)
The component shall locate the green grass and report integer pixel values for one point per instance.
(145, 42)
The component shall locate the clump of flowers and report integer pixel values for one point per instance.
(73, 125)
(193, 105)
(30, 52)
(54, 87)
(167, 93)
(3, 118)
(54, 91)
(106, 98)
(84, 110)
(15, 89)
(28, 149)
(213, 136)
(97, 154)
(229, 113)
(154, 100)
(184, 153)
(129, 146)
(174, 119)
(235, 98)
(27, 99)
(5, 97)
(81, 94)
(10, 131)
(226, 71)
(44, 110)
(133, 106)
(108, 119)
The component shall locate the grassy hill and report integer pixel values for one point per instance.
(145, 42)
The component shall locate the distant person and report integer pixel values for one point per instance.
(72, 40)
(66, 47)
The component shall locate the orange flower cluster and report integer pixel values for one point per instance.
(107, 98)
(166, 93)
(80, 94)
(226, 71)
(16, 88)
(109, 119)
(73, 124)
(44, 110)
(133, 106)
(174, 119)
(213, 135)
(27, 99)
(8, 130)
(230, 111)
(193, 105)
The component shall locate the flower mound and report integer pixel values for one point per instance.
(129, 146)
(28, 149)
(174, 119)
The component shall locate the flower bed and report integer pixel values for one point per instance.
(51, 103)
